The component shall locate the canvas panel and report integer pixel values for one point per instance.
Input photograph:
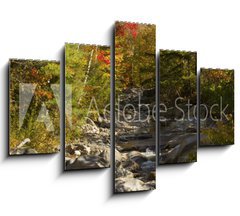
(135, 65)
(87, 106)
(34, 116)
(216, 107)
(178, 107)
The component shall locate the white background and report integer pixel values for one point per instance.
(39, 29)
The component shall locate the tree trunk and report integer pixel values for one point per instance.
(87, 74)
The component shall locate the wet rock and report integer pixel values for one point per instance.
(134, 137)
(148, 166)
(135, 143)
(70, 149)
(120, 171)
(191, 130)
(84, 162)
(77, 153)
(87, 156)
(131, 165)
(105, 158)
(151, 185)
(137, 157)
(126, 147)
(178, 149)
(118, 156)
(151, 177)
(149, 93)
(23, 150)
(149, 154)
(105, 124)
(84, 149)
(69, 160)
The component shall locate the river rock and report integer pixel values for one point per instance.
(84, 162)
(23, 150)
(137, 157)
(178, 149)
(131, 166)
(84, 149)
(126, 147)
(118, 156)
(191, 130)
(105, 157)
(70, 149)
(151, 176)
(120, 171)
(148, 166)
(127, 184)
(151, 185)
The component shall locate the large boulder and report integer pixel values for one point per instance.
(137, 157)
(84, 162)
(120, 171)
(131, 166)
(126, 184)
(148, 166)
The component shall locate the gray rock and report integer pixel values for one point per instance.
(84, 162)
(118, 156)
(126, 184)
(148, 166)
(121, 172)
(131, 165)
(137, 157)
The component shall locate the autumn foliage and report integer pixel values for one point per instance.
(87, 71)
(134, 55)
(42, 75)
(217, 88)
(103, 57)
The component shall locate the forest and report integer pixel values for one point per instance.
(216, 107)
(135, 64)
(87, 106)
(33, 107)
(178, 100)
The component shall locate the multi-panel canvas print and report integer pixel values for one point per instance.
(87, 106)
(178, 107)
(135, 61)
(124, 105)
(34, 116)
(216, 107)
